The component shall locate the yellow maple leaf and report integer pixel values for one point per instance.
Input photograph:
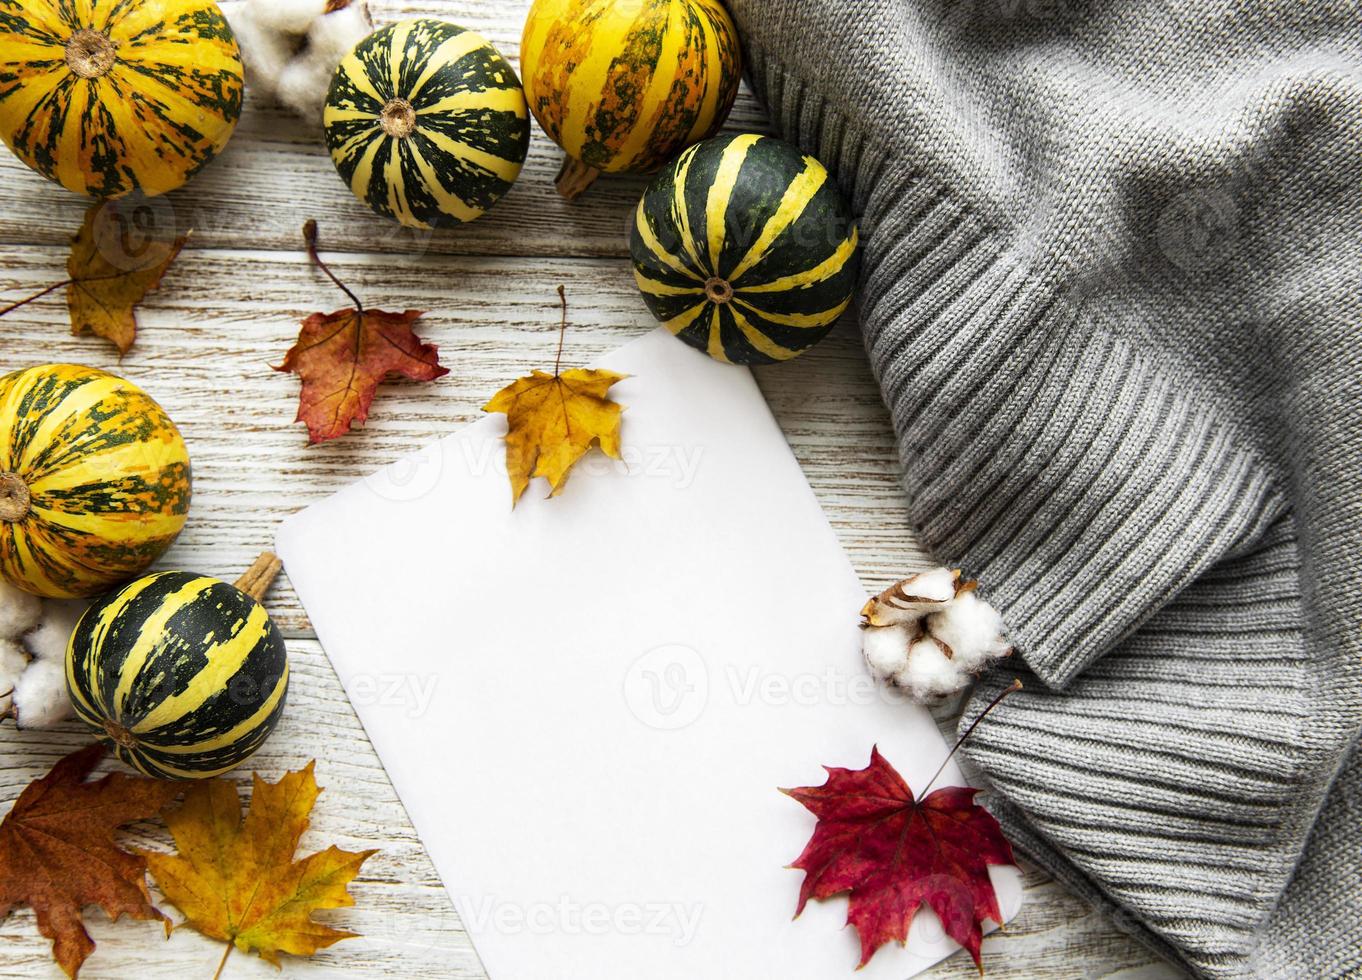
(113, 264)
(554, 419)
(236, 880)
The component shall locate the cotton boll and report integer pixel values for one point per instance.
(886, 649)
(291, 48)
(19, 611)
(929, 673)
(973, 630)
(40, 697)
(50, 639)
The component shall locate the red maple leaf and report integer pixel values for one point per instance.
(894, 853)
(343, 357)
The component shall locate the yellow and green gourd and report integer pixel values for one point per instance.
(94, 480)
(426, 123)
(183, 675)
(745, 249)
(107, 97)
(625, 85)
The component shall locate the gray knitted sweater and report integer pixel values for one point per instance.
(1111, 292)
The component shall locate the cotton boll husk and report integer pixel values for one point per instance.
(285, 16)
(912, 598)
(886, 648)
(973, 630)
(50, 639)
(19, 611)
(929, 673)
(934, 585)
(40, 697)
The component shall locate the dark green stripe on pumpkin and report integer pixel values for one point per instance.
(216, 615)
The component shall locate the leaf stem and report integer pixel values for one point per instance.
(310, 237)
(562, 330)
(1016, 686)
(223, 962)
(38, 295)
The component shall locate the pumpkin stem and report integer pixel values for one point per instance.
(260, 576)
(719, 290)
(120, 734)
(90, 54)
(15, 501)
(575, 178)
(398, 118)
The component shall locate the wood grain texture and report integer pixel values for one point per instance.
(230, 308)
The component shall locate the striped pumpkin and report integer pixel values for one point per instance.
(183, 675)
(112, 96)
(744, 249)
(426, 122)
(625, 85)
(94, 480)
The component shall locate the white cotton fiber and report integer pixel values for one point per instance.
(291, 48)
(50, 639)
(19, 611)
(40, 697)
(13, 663)
(286, 16)
(929, 673)
(886, 648)
(973, 630)
(934, 585)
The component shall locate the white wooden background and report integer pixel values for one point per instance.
(230, 307)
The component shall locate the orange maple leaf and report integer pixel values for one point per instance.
(236, 880)
(114, 262)
(57, 851)
(343, 357)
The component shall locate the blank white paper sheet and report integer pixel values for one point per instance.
(587, 704)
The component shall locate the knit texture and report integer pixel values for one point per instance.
(1113, 259)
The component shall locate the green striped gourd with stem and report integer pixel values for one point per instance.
(427, 123)
(183, 675)
(745, 249)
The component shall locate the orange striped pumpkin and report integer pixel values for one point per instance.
(107, 97)
(626, 85)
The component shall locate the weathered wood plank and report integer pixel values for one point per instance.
(220, 319)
